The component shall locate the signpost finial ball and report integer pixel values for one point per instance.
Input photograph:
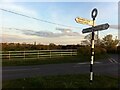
(94, 13)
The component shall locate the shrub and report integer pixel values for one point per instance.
(100, 50)
(86, 50)
(118, 49)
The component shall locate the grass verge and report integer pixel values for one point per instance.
(56, 60)
(63, 81)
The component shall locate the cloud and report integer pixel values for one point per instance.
(45, 33)
(41, 33)
(58, 40)
(115, 26)
(63, 32)
(66, 32)
(12, 38)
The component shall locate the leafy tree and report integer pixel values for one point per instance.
(88, 39)
(52, 46)
(109, 43)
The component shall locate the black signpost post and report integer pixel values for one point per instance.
(93, 29)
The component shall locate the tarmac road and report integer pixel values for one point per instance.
(107, 67)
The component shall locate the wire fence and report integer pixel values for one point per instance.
(37, 54)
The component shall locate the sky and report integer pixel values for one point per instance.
(53, 22)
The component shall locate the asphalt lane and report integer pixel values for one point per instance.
(101, 67)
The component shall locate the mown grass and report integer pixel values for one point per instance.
(40, 61)
(63, 81)
(54, 60)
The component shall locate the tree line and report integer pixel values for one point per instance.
(106, 44)
(24, 46)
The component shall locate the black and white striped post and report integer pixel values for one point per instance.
(92, 29)
(93, 14)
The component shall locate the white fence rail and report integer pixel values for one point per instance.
(36, 54)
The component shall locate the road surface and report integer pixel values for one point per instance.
(108, 67)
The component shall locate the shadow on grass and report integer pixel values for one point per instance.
(63, 81)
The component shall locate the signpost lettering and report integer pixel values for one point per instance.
(84, 21)
(96, 28)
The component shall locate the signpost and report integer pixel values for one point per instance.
(94, 14)
(92, 29)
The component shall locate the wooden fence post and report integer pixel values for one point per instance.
(71, 52)
(9, 55)
(38, 54)
(60, 52)
(24, 54)
(50, 53)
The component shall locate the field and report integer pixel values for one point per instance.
(63, 81)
